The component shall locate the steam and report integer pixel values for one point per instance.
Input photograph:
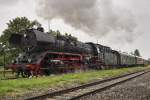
(97, 18)
(8, 2)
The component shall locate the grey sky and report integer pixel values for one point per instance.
(139, 8)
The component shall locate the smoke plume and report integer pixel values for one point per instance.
(95, 17)
(8, 2)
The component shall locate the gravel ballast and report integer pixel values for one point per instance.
(135, 89)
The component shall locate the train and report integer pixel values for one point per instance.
(45, 53)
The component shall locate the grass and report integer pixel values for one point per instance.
(21, 85)
(7, 74)
(1, 68)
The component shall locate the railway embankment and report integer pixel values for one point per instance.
(19, 88)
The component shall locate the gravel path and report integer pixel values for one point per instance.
(135, 89)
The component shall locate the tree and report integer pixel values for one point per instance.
(14, 26)
(54, 33)
(137, 53)
(131, 53)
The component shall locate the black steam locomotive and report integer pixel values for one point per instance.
(46, 53)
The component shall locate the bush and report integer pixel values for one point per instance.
(1, 61)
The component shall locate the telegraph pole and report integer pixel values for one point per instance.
(4, 56)
(4, 61)
(48, 25)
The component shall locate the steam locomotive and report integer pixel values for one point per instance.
(46, 53)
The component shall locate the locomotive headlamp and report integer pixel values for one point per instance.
(29, 60)
(25, 35)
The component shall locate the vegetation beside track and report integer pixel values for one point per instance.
(8, 73)
(1, 68)
(20, 86)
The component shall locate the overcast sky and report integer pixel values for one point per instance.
(138, 8)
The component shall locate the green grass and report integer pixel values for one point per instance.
(21, 85)
(1, 68)
(7, 74)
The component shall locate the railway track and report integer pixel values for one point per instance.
(87, 89)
